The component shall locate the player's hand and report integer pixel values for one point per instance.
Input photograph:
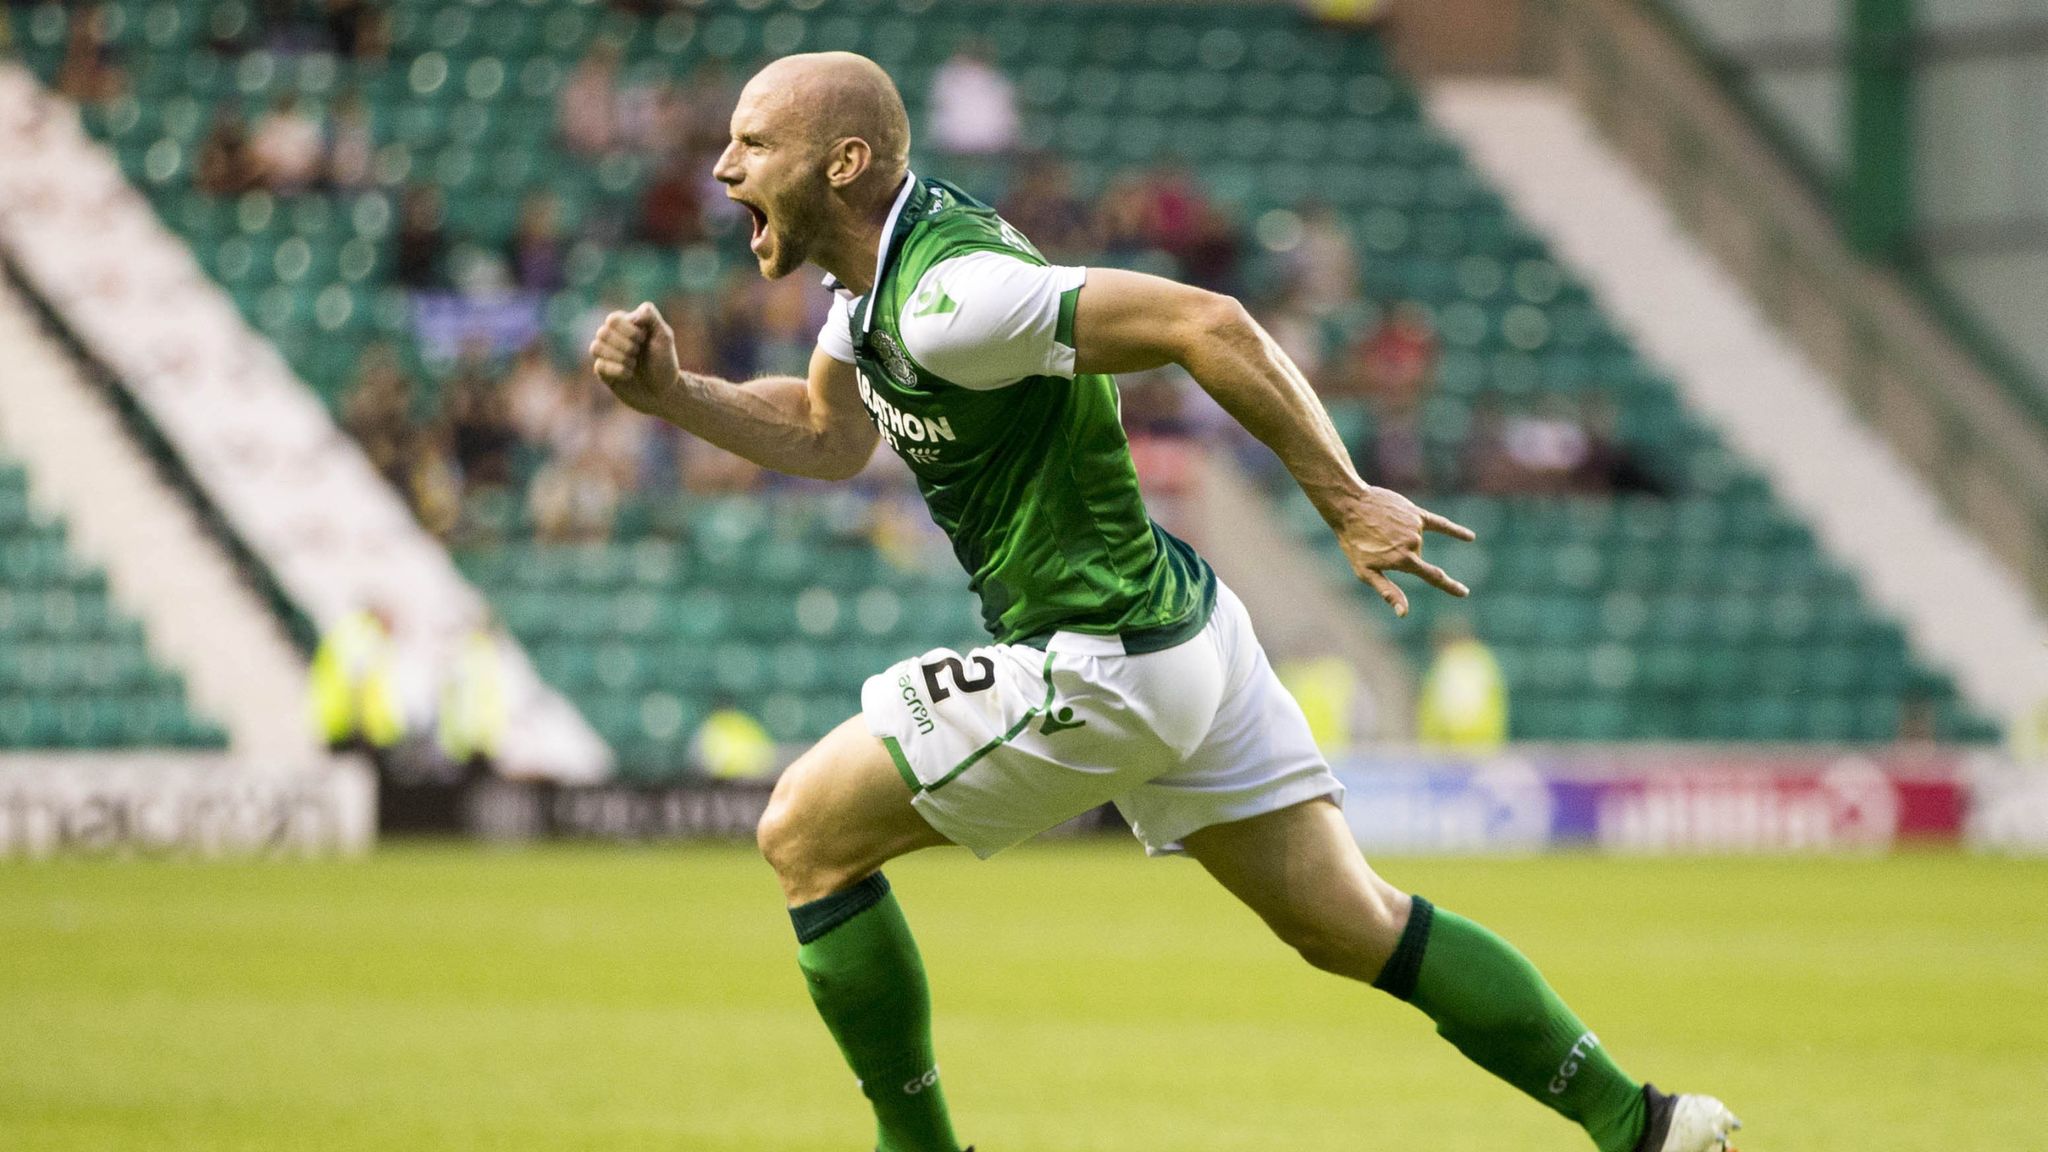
(634, 353)
(1385, 535)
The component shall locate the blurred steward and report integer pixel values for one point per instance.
(472, 707)
(1464, 698)
(354, 683)
(1333, 698)
(731, 745)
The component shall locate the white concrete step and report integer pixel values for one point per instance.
(198, 615)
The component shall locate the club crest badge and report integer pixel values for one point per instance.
(894, 363)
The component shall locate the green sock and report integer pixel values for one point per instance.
(1492, 1005)
(868, 982)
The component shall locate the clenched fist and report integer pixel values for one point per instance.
(634, 353)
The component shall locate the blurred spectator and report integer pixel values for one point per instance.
(588, 113)
(91, 72)
(710, 97)
(735, 337)
(1548, 449)
(227, 30)
(539, 399)
(1043, 206)
(690, 318)
(1123, 220)
(1298, 333)
(479, 424)
(285, 147)
(224, 167)
(1397, 362)
(1325, 262)
(378, 412)
(572, 499)
(1210, 255)
(538, 252)
(281, 26)
(1176, 216)
(707, 468)
(434, 481)
(1152, 403)
(653, 117)
(351, 144)
(373, 36)
(671, 206)
(973, 106)
(785, 316)
(1484, 465)
(1610, 465)
(344, 20)
(422, 239)
(1463, 703)
(1394, 454)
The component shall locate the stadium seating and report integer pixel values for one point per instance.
(780, 605)
(73, 671)
(1711, 615)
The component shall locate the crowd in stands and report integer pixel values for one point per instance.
(503, 430)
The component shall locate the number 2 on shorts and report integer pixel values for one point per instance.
(961, 681)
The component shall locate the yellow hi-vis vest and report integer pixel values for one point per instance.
(354, 689)
(732, 745)
(473, 699)
(1464, 701)
(1327, 690)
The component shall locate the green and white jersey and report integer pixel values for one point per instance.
(965, 349)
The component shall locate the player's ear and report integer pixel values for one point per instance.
(847, 161)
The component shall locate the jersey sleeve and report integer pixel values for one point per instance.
(834, 338)
(987, 319)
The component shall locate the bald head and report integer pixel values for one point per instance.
(819, 148)
(834, 96)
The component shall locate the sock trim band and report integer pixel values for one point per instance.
(819, 917)
(1397, 979)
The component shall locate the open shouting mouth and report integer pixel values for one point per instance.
(759, 217)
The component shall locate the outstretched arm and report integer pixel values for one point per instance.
(813, 427)
(1131, 322)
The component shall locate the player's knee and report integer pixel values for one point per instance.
(780, 836)
(792, 848)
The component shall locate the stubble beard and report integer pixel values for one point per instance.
(801, 219)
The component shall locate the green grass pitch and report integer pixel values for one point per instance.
(1089, 1001)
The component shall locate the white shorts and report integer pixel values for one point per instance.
(1003, 742)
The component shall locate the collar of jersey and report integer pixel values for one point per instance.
(892, 238)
